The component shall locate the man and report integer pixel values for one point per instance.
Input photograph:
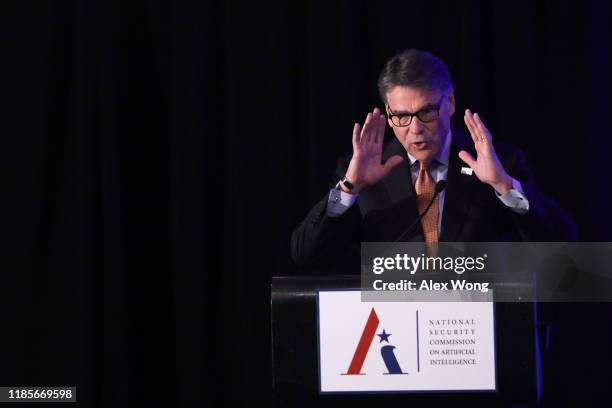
(380, 192)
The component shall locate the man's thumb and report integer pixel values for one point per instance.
(467, 158)
(392, 162)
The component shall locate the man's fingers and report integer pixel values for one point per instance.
(376, 128)
(478, 130)
(367, 129)
(481, 127)
(382, 124)
(373, 128)
(469, 122)
(467, 158)
(392, 162)
(356, 135)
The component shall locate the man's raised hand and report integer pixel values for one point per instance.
(487, 166)
(365, 168)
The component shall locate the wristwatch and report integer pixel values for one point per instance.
(347, 184)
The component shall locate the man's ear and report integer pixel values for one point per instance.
(451, 103)
(388, 120)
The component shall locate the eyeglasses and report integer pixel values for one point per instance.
(426, 115)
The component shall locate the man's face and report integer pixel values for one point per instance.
(422, 140)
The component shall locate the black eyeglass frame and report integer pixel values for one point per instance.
(435, 108)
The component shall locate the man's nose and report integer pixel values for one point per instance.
(416, 126)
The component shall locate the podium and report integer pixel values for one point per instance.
(295, 356)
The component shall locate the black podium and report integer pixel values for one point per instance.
(295, 354)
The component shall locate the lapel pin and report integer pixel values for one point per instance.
(467, 170)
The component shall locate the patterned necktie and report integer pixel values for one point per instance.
(425, 190)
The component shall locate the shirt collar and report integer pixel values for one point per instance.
(444, 153)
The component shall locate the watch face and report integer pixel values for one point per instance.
(347, 184)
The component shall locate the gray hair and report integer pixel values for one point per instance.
(416, 69)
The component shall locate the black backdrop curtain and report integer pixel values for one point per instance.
(159, 153)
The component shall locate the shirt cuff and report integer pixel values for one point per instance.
(339, 202)
(515, 199)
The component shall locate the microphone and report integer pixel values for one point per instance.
(440, 186)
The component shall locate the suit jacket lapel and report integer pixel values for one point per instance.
(400, 188)
(399, 181)
(457, 197)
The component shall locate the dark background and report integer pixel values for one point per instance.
(159, 154)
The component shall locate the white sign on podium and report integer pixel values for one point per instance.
(404, 346)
